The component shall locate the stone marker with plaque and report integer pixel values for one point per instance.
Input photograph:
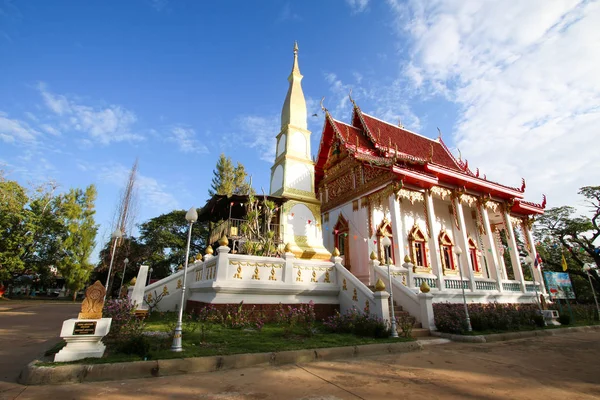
(84, 334)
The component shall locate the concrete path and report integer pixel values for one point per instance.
(27, 330)
(554, 367)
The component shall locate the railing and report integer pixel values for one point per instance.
(232, 228)
(432, 282)
(531, 287)
(456, 284)
(486, 285)
(511, 286)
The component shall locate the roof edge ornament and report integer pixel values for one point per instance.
(322, 106)
(523, 186)
(543, 201)
(439, 133)
(350, 97)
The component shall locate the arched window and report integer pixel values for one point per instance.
(418, 244)
(473, 255)
(446, 254)
(341, 232)
(385, 229)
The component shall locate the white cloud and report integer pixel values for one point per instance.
(287, 14)
(102, 124)
(16, 131)
(259, 133)
(152, 193)
(525, 75)
(357, 6)
(185, 139)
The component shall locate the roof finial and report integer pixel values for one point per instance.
(322, 106)
(350, 96)
(459, 154)
(439, 133)
(400, 123)
(295, 47)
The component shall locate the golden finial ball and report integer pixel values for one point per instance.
(406, 259)
(287, 248)
(133, 281)
(209, 250)
(199, 257)
(379, 285)
(180, 267)
(424, 287)
(336, 252)
(223, 241)
(373, 256)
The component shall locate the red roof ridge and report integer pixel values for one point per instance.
(441, 141)
(402, 128)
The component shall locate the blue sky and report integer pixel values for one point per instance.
(88, 86)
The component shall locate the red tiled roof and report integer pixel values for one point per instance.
(408, 143)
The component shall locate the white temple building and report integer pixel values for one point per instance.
(371, 180)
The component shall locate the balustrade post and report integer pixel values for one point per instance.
(288, 269)
(382, 305)
(222, 263)
(427, 317)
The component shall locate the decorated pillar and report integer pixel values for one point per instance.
(491, 246)
(533, 254)
(465, 260)
(434, 246)
(397, 229)
(513, 250)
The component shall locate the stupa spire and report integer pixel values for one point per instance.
(294, 107)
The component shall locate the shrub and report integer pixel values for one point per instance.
(138, 345)
(450, 318)
(302, 316)
(360, 324)
(584, 313)
(564, 319)
(237, 317)
(406, 324)
(125, 324)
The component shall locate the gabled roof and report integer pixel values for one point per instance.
(397, 140)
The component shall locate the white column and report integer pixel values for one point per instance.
(288, 272)
(222, 263)
(464, 243)
(397, 230)
(514, 252)
(537, 271)
(434, 246)
(491, 245)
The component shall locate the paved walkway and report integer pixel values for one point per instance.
(554, 367)
(27, 330)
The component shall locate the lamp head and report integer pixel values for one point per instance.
(117, 234)
(457, 250)
(587, 267)
(126, 260)
(192, 215)
(386, 242)
(528, 260)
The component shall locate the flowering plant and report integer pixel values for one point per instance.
(302, 315)
(125, 324)
(353, 321)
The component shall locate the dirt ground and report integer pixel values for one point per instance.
(556, 367)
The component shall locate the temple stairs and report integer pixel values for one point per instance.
(417, 331)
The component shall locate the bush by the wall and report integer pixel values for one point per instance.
(360, 324)
(450, 318)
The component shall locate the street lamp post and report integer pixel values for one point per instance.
(125, 262)
(191, 216)
(116, 235)
(588, 268)
(529, 261)
(458, 252)
(387, 243)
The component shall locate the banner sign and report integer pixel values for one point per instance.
(559, 285)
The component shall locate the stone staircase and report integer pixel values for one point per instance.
(418, 331)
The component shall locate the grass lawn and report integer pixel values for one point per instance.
(220, 340)
(492, 331)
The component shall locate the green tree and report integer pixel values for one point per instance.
(79, 239)
(132, 249)
(14, 227)
(165, 239)
(228, 180)
(560, 231)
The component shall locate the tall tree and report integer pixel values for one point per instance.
(165, 240)
(561, 232)
(14, 237)
(79, 241)
(227, 179)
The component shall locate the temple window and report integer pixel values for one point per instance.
(383, 230)
(473, 255)
(446, 246)
(418, 243)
